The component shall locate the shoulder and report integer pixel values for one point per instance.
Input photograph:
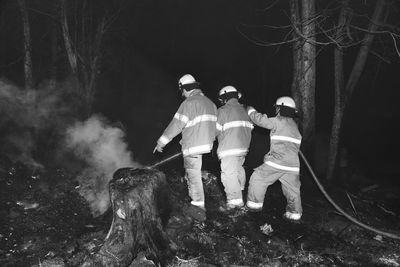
(286, 121)
(224, 107)
(222, 110)
(275, 121)
(210, 102)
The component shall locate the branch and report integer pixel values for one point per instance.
(333, 40)
(51, 16)
(374, 32)
(17, 61)
(268, 7)
(379, 56)
(307, 38)
(266, 44)
(266, 26)
(109, 21)
(395, 44)
(392, 34)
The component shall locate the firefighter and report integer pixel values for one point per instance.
(196, 121)
(234, 134)
(281, 162)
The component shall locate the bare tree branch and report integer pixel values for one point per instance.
(43, 13)
(263, 43)
(395, 44)
(380, 57)
(266, 26)
(268, 7)
(374, 31)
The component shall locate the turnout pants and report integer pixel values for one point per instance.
(233, 177)
(264, 176)
(192, 165)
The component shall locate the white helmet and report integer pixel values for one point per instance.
(286, 101)
(229, 89)
(188, 83)
(186, 79)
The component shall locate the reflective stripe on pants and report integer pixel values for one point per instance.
(192, 165)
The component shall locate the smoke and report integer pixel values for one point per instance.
(41, 126)
(32, 119)
(104, 150)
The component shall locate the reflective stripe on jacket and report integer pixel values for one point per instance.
(233, 129)
(196, 120)
(285, 141)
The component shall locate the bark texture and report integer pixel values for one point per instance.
(297, 52)
(304, 55)
(140, 203)
(307, 84)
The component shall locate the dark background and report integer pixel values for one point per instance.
(152, 44)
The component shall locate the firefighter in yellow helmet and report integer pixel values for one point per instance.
(196, 121)
(281, 162)
(234, 134)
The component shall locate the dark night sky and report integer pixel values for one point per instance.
(191, 37)
(153, 43)
(178, 37)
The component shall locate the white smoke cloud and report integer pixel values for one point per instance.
(28, 117)
(33, 127)
(34, 124)
(104, 150)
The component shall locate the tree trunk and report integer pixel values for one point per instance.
(141, 206)
(95, 60)
(362, 56)
(339, 89)
(297, 52)
(71, 53)
(27, 45)
(85, 54)
(54, 50)
(307, 85)
(356, 72)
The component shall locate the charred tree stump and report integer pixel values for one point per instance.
(140, 203)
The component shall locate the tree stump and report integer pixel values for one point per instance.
(141, 207)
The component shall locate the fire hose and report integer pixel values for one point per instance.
(352, 219)
(161, 162)
(321, 188)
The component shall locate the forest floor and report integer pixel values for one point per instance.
(45, 222)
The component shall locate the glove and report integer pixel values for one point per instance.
(158, 148)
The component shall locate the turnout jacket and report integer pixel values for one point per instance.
(233, 129)
(196, 120)
(285, 141)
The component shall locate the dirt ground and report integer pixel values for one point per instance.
(45, 222)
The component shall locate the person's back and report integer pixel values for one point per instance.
(236, 129)
(196, 119)
(199, 132)
(285, 140)
(234, 134)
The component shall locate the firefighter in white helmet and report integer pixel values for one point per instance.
(196, 121)
(281, 162)
(234, 134)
